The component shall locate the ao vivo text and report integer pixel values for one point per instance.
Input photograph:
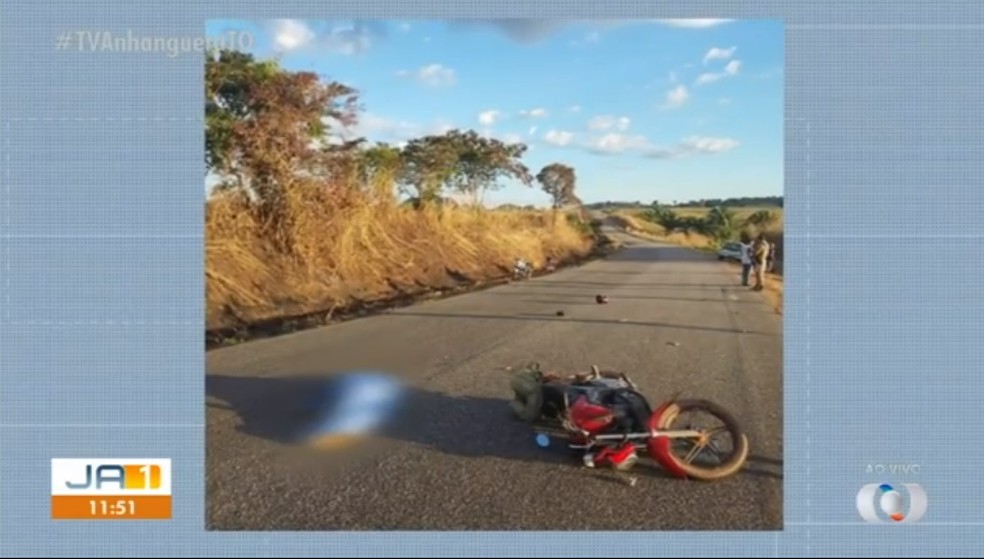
(906, 469)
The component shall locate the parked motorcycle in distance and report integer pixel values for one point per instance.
(522, 270)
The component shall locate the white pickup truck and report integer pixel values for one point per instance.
(730, 251)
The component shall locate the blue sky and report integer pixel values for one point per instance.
(643, 110)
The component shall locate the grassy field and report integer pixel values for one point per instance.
(360, 249)
(634, 220)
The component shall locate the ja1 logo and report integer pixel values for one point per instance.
(881, 502)
(110, 489)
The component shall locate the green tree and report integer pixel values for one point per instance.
(483, 162)
(265, 127)
(559, 181)
(428, 163)
(721, 223)
(463, 162)
(762, 218)
(380, 169)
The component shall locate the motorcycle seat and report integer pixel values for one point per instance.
(589, 416)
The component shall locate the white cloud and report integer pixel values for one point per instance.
(532, 130)
(613, 143)
(354, 37)
(574, 108)
(694, 145)
(488, 118)
(344, 38)
(731, 69)
(608, 122)
(434, 75)
(377, 128)
(534, 113)
(695, 23)
(529, 31)
(724, 101)
(676, 97)
(350, 39)
(290, 34)
(559, 138)
(717, 53)
(600, 123)
(512, 138)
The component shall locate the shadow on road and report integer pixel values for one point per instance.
(274, 409)
(586, 302)
(569, 298)
(552, 317)
(279, 409)
(649, 273)
(760, 466)
(637, 253)
(756, 466)
(592, 284)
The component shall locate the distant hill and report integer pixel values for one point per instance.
(745, 202)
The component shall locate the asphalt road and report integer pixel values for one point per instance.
(677, 321)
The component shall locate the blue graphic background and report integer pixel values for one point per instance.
(102, 274)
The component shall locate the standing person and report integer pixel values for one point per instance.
(760, 254)
(771, 258)
(746, 258)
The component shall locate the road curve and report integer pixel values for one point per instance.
(677, 321)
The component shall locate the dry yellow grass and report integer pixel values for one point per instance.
(634, 222)
(363, 248)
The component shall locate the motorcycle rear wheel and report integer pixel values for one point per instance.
(662, 449)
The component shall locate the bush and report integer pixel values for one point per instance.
(359, 250)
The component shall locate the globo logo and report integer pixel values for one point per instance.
(881, 502)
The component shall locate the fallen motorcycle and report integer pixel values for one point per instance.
(603, 416)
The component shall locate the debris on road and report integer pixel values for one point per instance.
(674, 344)
(601, 299)
(560, 313)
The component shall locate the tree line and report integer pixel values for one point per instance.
(269, 131)
(741, 202)
(721, 223)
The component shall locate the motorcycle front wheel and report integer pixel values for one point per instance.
(679, 456)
